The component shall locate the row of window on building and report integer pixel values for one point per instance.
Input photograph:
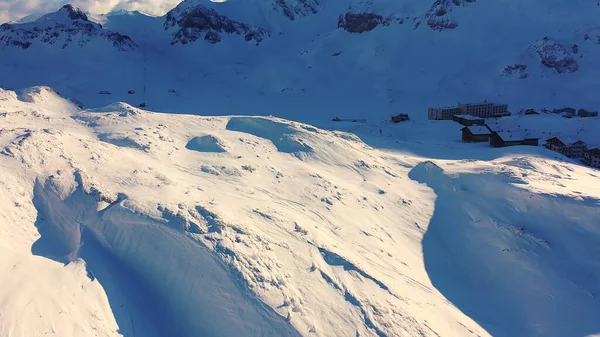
(482, 110)
(575, 149)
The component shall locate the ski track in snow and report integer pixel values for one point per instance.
(123, 222)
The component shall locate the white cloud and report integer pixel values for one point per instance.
(17, 9)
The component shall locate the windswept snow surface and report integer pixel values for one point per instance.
(111, 225)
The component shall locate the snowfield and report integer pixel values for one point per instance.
(123, 222)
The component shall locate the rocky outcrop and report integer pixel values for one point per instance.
(554, 55)
(437, 18)
(592, 36)
(516, 71)
(69, 26)
(361, 22)
(293, 9)
(191, 23)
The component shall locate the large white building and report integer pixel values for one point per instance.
(442, 113)
(482, 110)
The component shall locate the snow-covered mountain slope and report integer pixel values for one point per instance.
(68, 26)
(527, 54)
(188, 225)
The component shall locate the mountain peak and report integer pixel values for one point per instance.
(73, 12)
(69, 25)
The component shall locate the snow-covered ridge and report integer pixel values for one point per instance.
(68, 26)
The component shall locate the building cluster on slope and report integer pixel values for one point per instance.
(477, 130)
(574, 148)
(472, 117)
(497, 138)
(565, 112)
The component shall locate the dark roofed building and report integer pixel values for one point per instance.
(509, 138)
(569, 147)
(592, 157)
(531, 112)
(476, 133)
(567, 110)
(400, 118)
(586, 113)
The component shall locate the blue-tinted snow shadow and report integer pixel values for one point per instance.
(136, 309)
(62, 239)
(489, 257)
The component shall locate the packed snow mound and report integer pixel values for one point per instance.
(42, 95)
(123, 109)
(283, 137)
(341, 240)
(207, 143)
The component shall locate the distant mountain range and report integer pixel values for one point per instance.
(355, 55)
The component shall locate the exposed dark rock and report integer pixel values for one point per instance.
(212, 37)
(75, 13)
(593, 35)
(361, 22)
(297, 8)
(192, 23)
(516, 70)
(575, 49)
(554, 55)
(437, 17)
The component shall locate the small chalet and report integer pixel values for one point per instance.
(592, 157)
(585, 113)
(476, 133)
(567, 111)
(468, 120)
(400, 118)
(531, 112)
(509, 138)
(569, 147)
